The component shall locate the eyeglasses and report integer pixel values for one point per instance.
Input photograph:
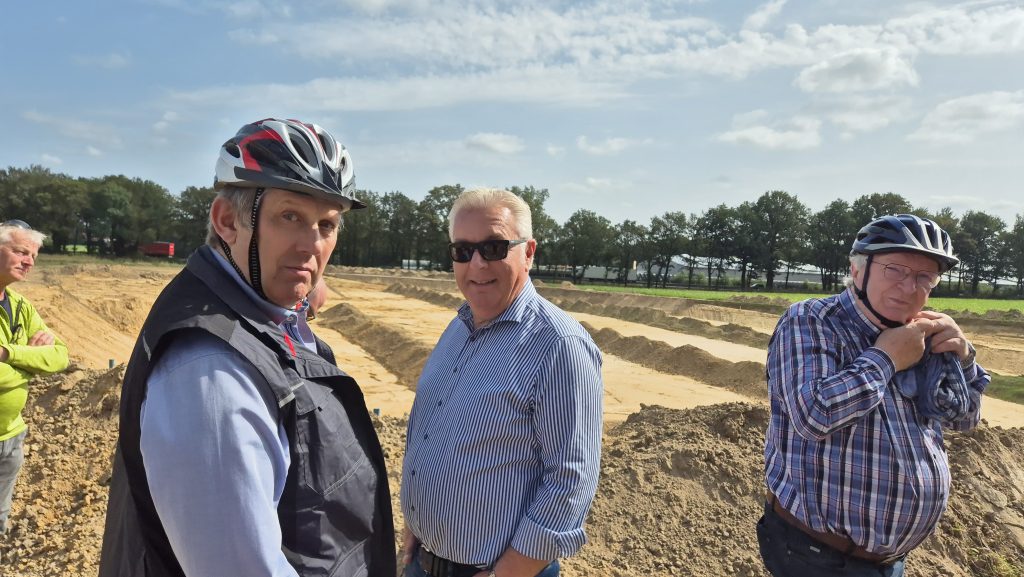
(16, 223)
(922, 278)
(496, 249)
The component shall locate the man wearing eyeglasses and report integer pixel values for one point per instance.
(504, 438)
(27, 348)
(861, 386)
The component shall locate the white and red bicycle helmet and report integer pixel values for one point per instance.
(290, 155)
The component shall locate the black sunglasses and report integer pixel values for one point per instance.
(17, 223)
(496, 249)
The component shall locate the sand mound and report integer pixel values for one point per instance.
(441, 299)
(402, 356)
(679, 493)
(744, 377)
(61, 497)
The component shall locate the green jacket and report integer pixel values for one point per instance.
(23, 361)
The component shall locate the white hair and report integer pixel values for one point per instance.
(484, 198)
(7, 235)
(858, 261)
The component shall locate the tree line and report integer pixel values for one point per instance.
(762, 239)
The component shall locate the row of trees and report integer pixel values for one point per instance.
(776, 234)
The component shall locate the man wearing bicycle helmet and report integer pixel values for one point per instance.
(861, 385)
(242, 450)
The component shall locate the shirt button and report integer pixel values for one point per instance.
(414, 472)
(425, 436)
(455, 370)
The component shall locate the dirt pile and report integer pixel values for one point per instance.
(441, 299)
(656, 318)
(402, 356)
(744, 377)
(61, 498)
(679, 491)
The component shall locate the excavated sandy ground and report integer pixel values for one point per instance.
(680, 484)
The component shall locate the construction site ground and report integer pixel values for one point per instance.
(685, 412)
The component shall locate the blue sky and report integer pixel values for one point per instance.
(629, 108)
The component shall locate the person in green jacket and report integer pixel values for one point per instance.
(27, 348)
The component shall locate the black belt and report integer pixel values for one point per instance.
(440, 567)
(840, 543)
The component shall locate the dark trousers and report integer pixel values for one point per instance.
(414, 570)
(789, 552)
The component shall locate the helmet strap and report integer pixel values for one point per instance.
(254, 255)
(862, 294)
(255, 276)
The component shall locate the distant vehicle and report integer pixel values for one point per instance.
(158, 249)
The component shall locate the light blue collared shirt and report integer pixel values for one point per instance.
(504, 441)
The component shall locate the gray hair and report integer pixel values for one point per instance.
(484, 198)
(241, 200)
(860, 262)
(33, 236)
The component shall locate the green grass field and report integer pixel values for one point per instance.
(979, 306)
(1007, 388)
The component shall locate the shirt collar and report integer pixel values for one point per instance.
(514, 312)
(279, 315)
(849, 301)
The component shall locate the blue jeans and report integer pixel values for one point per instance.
(413, 569)
(11, 458)
(789, 552)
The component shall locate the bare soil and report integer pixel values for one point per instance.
(681, 474)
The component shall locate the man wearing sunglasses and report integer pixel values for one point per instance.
(862, 385)
(504, 438)
(27, 348)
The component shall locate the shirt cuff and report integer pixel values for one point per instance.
(538, 542)
(882, 361)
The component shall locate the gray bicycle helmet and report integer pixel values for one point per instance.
(290, 155)
(906, 233)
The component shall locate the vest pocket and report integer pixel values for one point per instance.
(329, 452)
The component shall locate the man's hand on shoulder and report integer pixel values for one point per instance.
(41, 339)
(946, 335)
(3, 354)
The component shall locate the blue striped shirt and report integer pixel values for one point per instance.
(504, 439)
(846, 452)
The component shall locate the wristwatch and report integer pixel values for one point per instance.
(971, 354)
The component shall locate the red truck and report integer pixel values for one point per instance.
(158, 249)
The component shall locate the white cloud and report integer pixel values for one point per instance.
(596, 185)
(763, 15)
(964, 120)
(607, 147)
(51, 159)
(586, 53)
(496, 142)
(798, 134)
(255, 9)
(555, 151)
(112, 61)
(93, 151)
(858, 113)
(165, 121)
(85, 131)
(534, 85)
(859, 70)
